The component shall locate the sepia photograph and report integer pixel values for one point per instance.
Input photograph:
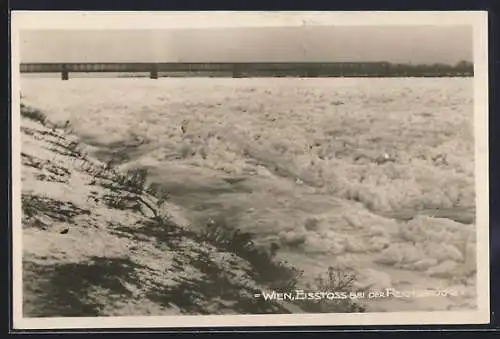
(249, 169)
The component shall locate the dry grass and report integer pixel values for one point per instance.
(33, 114)
(336, 280)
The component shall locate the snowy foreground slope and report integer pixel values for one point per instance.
(96, 243)
(370, 176)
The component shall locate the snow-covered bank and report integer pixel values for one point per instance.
(97, 244)
(374, 175)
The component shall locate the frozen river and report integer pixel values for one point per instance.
(371, 174)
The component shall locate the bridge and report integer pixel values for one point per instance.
(237, 70)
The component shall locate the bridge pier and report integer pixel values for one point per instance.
(237, 72)
(311, 73)
(65, 75)
(153, 71)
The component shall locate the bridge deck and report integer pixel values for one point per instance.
(185, 67)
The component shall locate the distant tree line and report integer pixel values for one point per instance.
(365, 69)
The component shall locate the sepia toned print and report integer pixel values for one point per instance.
(326, 171)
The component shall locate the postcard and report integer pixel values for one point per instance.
(194, 169)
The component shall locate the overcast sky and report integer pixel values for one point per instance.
(416, 44)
